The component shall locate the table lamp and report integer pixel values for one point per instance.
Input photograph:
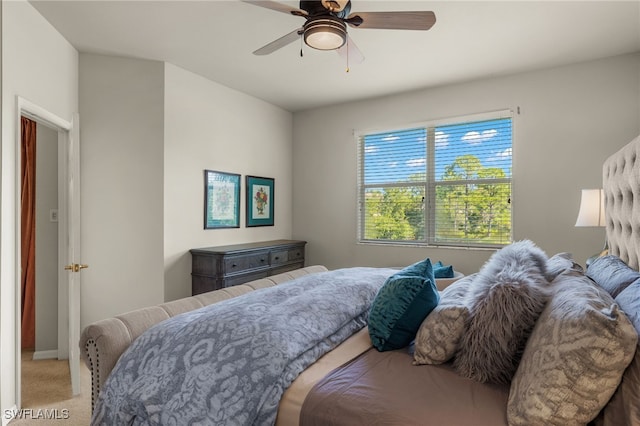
(591, 214)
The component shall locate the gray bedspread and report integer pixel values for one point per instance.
(229, 363)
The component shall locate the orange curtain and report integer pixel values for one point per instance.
(28, 237)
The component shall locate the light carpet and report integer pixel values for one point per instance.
(46, 394)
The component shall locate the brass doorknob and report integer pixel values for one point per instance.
(75, 267)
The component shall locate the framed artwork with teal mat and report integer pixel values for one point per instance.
(221, 200)
(260, 201)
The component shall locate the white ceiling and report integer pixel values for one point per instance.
(470, 40)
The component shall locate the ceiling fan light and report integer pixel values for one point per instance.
(325, 33)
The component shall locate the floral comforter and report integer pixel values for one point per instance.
(229, 363)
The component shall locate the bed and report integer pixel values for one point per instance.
(529, 339)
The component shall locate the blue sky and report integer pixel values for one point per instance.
(403, 153)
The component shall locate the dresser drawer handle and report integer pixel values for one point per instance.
(277, 257)
(261, 260)
(233, 265)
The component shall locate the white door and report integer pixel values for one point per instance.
(73, 251)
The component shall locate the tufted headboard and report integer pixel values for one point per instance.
(621, 184)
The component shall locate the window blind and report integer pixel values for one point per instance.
(443, 183)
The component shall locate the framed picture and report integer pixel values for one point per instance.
(221, 200)
(260, 201)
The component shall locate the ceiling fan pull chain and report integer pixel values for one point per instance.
(347, 70)
(301, 46)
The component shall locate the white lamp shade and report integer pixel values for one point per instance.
(591, 208)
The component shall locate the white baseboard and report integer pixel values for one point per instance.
(51, 354)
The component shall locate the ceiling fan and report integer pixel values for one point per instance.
(326, 24)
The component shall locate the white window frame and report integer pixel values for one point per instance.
(430, 184)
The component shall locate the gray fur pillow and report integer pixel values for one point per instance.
(439, 335)
(505, 300)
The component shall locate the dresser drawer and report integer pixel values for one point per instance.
(245, 262)
(245, 278)
(278, 257)
(295, 254)
(287, 268)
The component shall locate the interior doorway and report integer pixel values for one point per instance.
(39, 246)
(61, 215)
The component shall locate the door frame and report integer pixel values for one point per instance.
(64, 128)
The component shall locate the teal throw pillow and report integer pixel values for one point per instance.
(403, 302)
(442, 271)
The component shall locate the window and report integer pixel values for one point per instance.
(442, 183)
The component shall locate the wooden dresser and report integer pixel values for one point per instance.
(213, 268)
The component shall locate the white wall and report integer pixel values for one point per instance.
(209, 126)
(46, 260)
(148, 131)
(571, 119)
(121, 140)
(38, 64)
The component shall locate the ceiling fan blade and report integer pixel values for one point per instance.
(349, 51)
(393, 20)
(279, 7)
(279, 43)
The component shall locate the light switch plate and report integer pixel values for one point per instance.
(53, 215)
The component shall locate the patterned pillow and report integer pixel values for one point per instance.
(560, 263)
(439, 335)
(574, 359)
(624, 406)
(401, 305)
(505, 300)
